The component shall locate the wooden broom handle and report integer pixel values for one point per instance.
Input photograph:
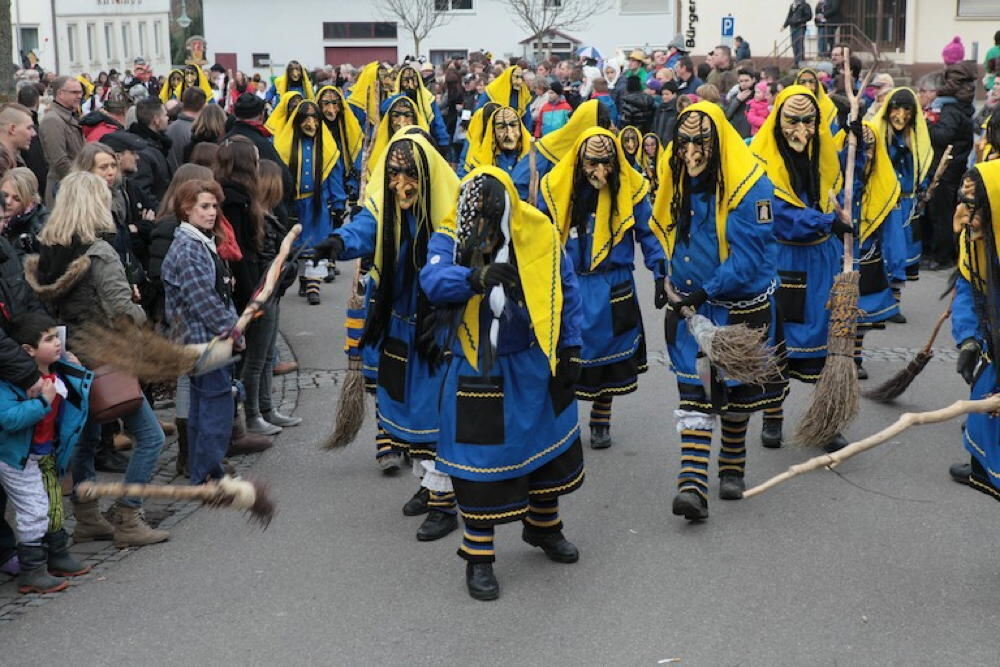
(270, 281)
(89, 490)
(937, 326)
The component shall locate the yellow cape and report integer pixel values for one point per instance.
(740, 172)
(281, 84)
(881, 187)
(638, 156)
(500, 89)
(383, 136)
(364, 93)
(283, 145)
(990, 173)
(765, 147)
(165, 92)
(644, 160)
(444, 189)
(88, 87)
(474, 135)
(919, 138)
(557, 189)
(553, 146)
(425, 98)
(279, 117)
(538, 249)
(485, 154)
(355, 137)
(827, 109)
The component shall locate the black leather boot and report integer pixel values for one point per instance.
(555, 546)
(436, 525)
(837, 443)
(961, 472)
(417, 505)
(600, 437)
(731, 487)
(691, 506)
(481, 581)
(770, 434)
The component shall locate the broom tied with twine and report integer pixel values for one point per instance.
(251, 496)
(836, 396)
(990, 405)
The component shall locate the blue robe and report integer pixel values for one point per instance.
(506, 160)
(272, 97)
(316, 221)
(905, 260)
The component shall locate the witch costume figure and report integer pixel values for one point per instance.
(504, 142)
(631, 142)
(409, 83)
(714, 215)
(372, 87)
(509, 436)
(598, 204)
(509, 90)
(295, 79)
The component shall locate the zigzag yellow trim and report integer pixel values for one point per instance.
(556, 489)
(517, 466)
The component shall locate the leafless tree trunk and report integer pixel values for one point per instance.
(540, 16)
(7, 69)
(418, 17)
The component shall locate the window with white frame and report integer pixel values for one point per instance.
(142, 39)
(644, 7)
(91, 42)
(978, 9)
(71, 42)
(126, 42)
(109, 41)
(453, 5)
(157, 38)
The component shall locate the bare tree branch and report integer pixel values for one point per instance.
(417, 17)
(541, 16)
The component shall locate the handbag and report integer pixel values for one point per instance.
(113, 394)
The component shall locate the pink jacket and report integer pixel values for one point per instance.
(757, 113)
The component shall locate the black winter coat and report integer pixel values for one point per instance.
(16, 297)
(153, 174)
(955, 127)
(266, 151)
(664, 121)
(736, 113)
(637, 110)
(246, 272)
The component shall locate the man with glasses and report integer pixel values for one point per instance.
(60, 132)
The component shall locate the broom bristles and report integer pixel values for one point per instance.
(351, 408)
(134, 349)
(743, 355)
(894, 387)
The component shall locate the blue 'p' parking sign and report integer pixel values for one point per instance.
(728, 26)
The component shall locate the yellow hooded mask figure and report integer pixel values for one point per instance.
(740, 173)
(918, 137)
(441, 182)
(353, 138)
(827, 109)
(424, 97)
(178, 91)
(972, 257)
(280, 116)
(881, 187)
(477, 130)
(538, 249)
(554, 145)
(610, 224)
(284, 142)
(167, 92)
(281, 83)
(88, 87)
(364, 94)
(765, 147)
(501, 89)
(383, 135)
(486, 150)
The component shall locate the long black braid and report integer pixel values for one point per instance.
(680, 205)
(803, 170)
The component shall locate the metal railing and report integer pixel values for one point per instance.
(843, 33)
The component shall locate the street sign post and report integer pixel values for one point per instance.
(728, 30)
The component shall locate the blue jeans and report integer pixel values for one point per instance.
(798, 44)
(144, 427)
(210, 423)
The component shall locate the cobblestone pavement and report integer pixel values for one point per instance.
(160, 513)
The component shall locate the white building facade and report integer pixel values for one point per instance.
(90, 36)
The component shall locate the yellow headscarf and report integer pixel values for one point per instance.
(740, 172)
(166, 92)
(990, 173)
(279, 117)
(88, 87)
(283, 145)
(474, 135)
(485, 154)
(554, 146)
(638, 134)
(557, 189)
(765, 147)
(983, 147)
(919, 138)
(827, 109)
(425, 98)
(499, 90)
(881, 187)
(538, 249)
(281, 84)
(383, 134)
(444, 188)
(364, 93)
(355, 137)
(644, 160)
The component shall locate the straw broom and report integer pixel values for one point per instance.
(895, 386)
(251, 496)
(836, 395)
(351, 405)
(150, 357)
(990, 405)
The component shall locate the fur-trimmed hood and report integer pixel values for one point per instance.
(74, 272)
(57, 270)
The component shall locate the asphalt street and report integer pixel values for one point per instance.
(886, 562)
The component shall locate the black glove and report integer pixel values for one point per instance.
(692, 300)
(499, 273)
(839, 227)
(856, 129)
(568, 367)
(337, 217)
(355, 209)
(329, 248)
(660, 296)
(968, 359)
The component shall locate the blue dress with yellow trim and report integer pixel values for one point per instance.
(506, 160)
(747, 275)
(981, 432)
(807, 258)
(514, 430)
(904, 258)
(407, 388)
(614, 342)
(522, 174)
(315, 219)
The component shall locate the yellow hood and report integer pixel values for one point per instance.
(279, 117)
(557, 189)
(383, 136)
(283, 145)
(645, 161)
(827, 109)
(425, 98)
(740, 172)
(364, 93)
(765, 147)
(538, 250)
(165, 91)
(499, 90)
(974, 271)
(88, 87)
(281, 85)
(555, 145)
(474, 135)
(919, 138)
(485, 154)
(355, 137)
(881, 187)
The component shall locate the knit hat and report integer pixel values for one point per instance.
(654, 84)
(954, 52)
(556, 87)
(678, 43)
(248, 105)
(669, 85)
